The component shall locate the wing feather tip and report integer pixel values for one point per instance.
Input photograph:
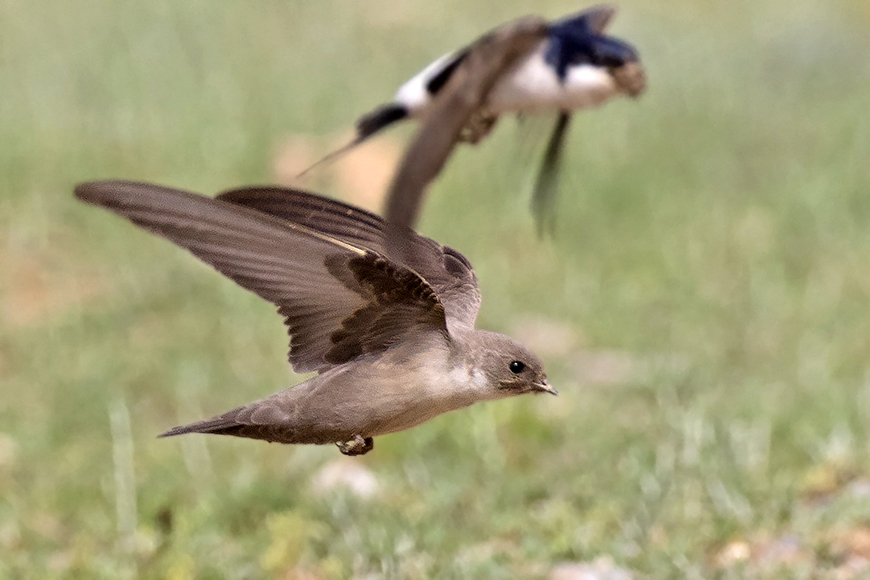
(110, 192)
(91, 191)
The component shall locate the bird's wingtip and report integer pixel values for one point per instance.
(99, 191)
(88, 190)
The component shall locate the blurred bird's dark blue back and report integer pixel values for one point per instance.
(573, 42)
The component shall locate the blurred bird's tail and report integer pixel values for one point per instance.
(366, 126)
(381, 117)
(546, 183)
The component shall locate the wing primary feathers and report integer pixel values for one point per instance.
(339, 300)
(448, 272)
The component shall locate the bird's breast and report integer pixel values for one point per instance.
(433, 387)
(533, 85)
(460, 383)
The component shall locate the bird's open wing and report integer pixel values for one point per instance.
(340, 299)
(448, 272)
(466, 90)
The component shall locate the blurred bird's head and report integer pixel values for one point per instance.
(580, 40)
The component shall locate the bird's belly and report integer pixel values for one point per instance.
(411, 416)
(534, 86)
(385, 395)
(429, 397)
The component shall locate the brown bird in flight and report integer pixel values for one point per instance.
(389, 333)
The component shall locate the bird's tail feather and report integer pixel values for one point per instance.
(223, 425)
(546, 183)
(382, 117)
(366, 126)
(242, 422)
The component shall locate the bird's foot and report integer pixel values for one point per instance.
(356, 446)
(479, 126)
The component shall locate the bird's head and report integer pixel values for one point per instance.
(510, 368)
(581, 40)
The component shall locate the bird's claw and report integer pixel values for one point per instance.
(356, 446)
(479, 126)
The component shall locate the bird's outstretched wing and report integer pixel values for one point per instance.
(448, 272)
(465, 92)
(340, 299)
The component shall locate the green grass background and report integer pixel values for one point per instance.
(713, 239)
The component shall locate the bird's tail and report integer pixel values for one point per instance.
(260, 420)
(546, 183)
(366, 126)
(222, 425)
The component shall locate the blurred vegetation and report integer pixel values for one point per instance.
(704, 308)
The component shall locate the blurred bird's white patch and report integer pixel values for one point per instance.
(602, 568)
(347, 474)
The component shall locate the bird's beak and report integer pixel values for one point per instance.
(545, 388)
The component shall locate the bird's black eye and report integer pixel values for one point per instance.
(517, 367)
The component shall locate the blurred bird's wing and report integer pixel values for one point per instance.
(484, 63)
(448, 272)
(595, 19)
(340, 300)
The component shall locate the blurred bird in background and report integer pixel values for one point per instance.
(393, 341)
(569, 65)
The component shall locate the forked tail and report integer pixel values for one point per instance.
(366, 126)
